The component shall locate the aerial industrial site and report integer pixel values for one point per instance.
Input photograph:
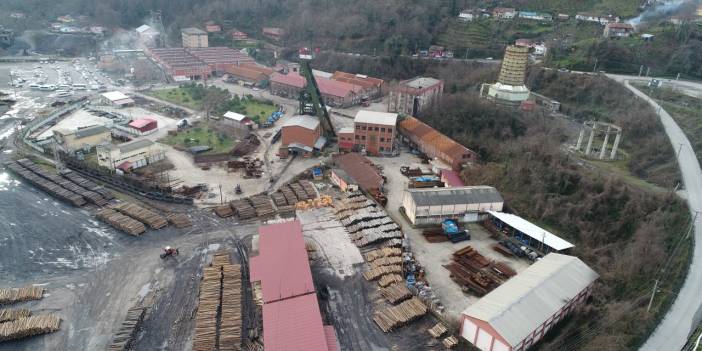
(182, 181)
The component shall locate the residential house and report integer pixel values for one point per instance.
(274, 33)
(252, 74)
(504, 13)
(467, 15)
(371, 87)
(597, 18)
(211, 27)
(537, 16)
(618, 30)
(194, 38)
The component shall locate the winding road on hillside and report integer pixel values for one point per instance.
(685, 314)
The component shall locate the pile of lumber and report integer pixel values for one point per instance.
(231, 324)
(503, 250)
(450, 342)
(476, 273)
(179, 220)
(263, 206)
(279, 199)
(289, 195)
(206, 317)
(120, 221)
(433, 236)
(384, 252)
(7, 315)
(146, 216)
(29, 326)
(299, 191)
(395, 242)
(389, 279)
(503, 269)
(373, 235)
(45, 185)
(377, 272)
(127, 331)
(392, 317)
(14, 295)
(286, 211)
(395, 293)
(224, 211)
(243, 209)
(309, 188)
(437, 331)
(386, 261)
(385, 224)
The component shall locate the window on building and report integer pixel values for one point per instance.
(377, 129)
(382, 140)
(389, 130)
(382, 149)
(382, 130)
(357, 137)
(358, 127)
(363, 137)
(363, 128)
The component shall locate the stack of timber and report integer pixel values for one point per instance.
(120, 221)
(386, 261)
(151, 218)
(91, 196)
(299, 191)
(231, 325)
(279, 199)
(179, 220)
(29, 326)
(396, 293)
(504, 270)
(377, 272)
(289, 195)
(474, 272)
(206, 317)
(392, 243)
(263, 206)
(14, 295)
(50, 187)
(383, 223)
(389, 279)
(7, 315)
(252, 345)
(384, 252)
(450, 342)
(435, 236)
(309, 189)
(128, 330)
(373, 235)
(243, 209)
(392, 317)
(220, 258)
(286, 211)
(437, 331)
(224, 211)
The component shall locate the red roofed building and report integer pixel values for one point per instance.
(451, 178)
(434, 144)
(361, 170)
(238, 35)
(274, 33)
(618, 30)
(287, 85)
(371, 87)
(335, 93)
(143, 126)
(281, 272)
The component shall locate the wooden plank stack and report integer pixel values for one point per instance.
(299, 191)
(450, 342)
(384, 252)
(146, 216)
(279, 199)
(309, 189)
(120, 221)
(289, 195)
(14, 295)
(263, 206)
(231, 325)
(224, 211)
(29, 326)
(396, 293)
(127, 331)
(7, 315)
(393, 317)
(386, 261)
(389, 279)
(437, 331)
(206, 317)
(377, 272)
(179, 220)
(243, 209)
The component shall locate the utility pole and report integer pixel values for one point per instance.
(221, 198)
(648, 69)
(679, 150)
(640, 70)
(678, 77)
(595, 67)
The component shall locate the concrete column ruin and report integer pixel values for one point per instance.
(580, 139)
(613, 155)
(592, 137)
(604, 144)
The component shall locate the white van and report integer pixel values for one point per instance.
(79, 87)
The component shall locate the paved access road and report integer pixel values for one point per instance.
(685, 314)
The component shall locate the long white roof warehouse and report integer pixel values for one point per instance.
(518, 313)
(433, 205)
(534, 233)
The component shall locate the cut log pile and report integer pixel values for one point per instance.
(384, 252)
(299, 191)
(7, 315)
(392, 242)
(396, 293)
(179, 220)
(279, 199)
(14, 295)
(386, 261)
(231, 326)
(29, 326)
(396, 316)
(243, 209)
(206, 317)
(224, 211)
(263, 206)
(128, 330)
(437, 331)
(376, 273)
(146, 216)
(309, 189)
(120, 221)
(450, 342)
(50, 187)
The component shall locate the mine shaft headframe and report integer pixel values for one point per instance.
(312, 95)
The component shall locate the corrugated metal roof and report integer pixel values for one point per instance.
(193, 31)
(430, 136)
(455, 195)
(421, 82)
(292, 79)
(134, 145)
(519, 306)
(89, 131)
(141, 122)
(115, 96)
(384, 118)
(234, 116)
(282, 265)
(302, 121)
(332, 342)
(360, 169)
(294, 325)
(337, 88)
(452, 178)
(532, 230)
